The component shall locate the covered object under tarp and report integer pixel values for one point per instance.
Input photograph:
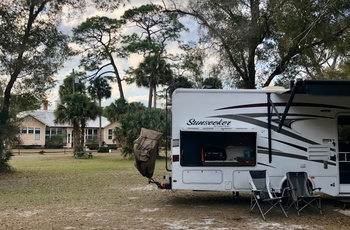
(145, 151)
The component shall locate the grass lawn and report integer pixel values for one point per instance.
(42, 180)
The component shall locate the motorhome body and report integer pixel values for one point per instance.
(219, 135)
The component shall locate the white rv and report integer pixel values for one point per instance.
(219, 135)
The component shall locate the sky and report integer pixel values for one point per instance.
(132, 92)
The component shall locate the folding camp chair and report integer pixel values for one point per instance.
(263, 193)
(301, 194)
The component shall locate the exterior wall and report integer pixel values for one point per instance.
(29, 128)
(30, 125)
(107, 138)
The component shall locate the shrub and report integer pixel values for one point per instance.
(4, 166)
(54, 142)
(113, 146)
(103, 150)
(92, 146)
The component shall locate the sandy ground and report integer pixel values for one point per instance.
(128, 202)
(146, 207)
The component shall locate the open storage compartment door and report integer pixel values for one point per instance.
(203, 148)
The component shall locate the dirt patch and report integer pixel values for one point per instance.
(111, 199)
(145, 207)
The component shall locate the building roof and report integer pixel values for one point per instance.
(47, 117)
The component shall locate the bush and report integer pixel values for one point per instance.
(92, 146)
(4, 166)
(31, 146)
(54, 142)
(103, 150)
(113, 146)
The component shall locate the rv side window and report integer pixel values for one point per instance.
(217, 148)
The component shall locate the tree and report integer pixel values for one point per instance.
(342, 72)
(99, 38)
(157, 28)
(131, 124)
(99, 89)
(260, 40)
(212, 83)
(191, 64)
(32, 47)
(151, 72)
(115, 110)
(72, 84)
(76, 109)
(31, 51)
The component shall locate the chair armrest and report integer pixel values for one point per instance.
(282, 190)
(319, 189)
(287, 189)
(256, 193)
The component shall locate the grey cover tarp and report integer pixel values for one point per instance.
(145, 151)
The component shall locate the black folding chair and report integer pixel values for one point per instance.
(263, 193)
(301, 194)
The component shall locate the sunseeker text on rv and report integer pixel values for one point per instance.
(193, 121)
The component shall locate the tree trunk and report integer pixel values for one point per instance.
(82, 140)
(76, 137)
(154, 96)
(100, 124)
(150, 97)
(119, 80)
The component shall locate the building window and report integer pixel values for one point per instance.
(50, 132)
(91, 134)
(37, 133)
(59, 131)
(24, 130)
(30, 130)
(110, 134)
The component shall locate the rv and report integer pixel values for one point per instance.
(219, 135)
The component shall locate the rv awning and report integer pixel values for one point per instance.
(317, 88)
(321, 87)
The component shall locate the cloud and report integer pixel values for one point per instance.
(132, 92)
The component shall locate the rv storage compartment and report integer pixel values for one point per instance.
(217, 148)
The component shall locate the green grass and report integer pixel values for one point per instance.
(64, 179)
(68, 165)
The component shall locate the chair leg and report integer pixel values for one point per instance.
(310, 203)
(254, 202)
(274, 205)
(281, 207)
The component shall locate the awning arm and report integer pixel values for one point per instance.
(269, 103)
(289, 103)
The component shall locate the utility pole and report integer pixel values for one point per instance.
(73, 81)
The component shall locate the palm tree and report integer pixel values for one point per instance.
(115, 110)
(153, 71)
(131, 124)
(99, 89)
(76, 109)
